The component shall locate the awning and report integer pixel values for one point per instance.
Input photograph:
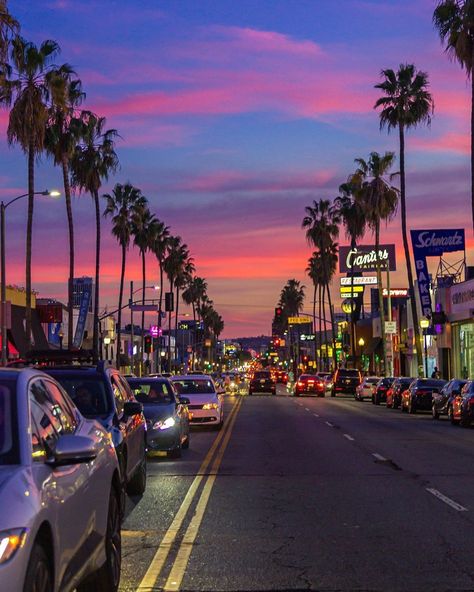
(11, 348)
(375, 342)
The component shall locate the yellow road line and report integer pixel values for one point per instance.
(156, 565)
(179, 567)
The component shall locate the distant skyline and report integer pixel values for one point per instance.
(233, 117)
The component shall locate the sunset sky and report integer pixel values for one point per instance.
(234, 115)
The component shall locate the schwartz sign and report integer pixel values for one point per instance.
(432, 243)
(364, 258)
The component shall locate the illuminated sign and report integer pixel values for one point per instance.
(346, 289)
(298, 320)
(365, 280)
(395, 293)
(364, 258)
(307, 337)
(155, 331)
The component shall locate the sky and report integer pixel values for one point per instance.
(233, 117)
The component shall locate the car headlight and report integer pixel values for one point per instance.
(10, 542)
(164, 425)
(210, 406)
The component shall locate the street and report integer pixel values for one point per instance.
(307, 493)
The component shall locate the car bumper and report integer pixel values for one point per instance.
(262, 388)
(311, 391)
(423, 403)
(200, 416)
(162, 440)
(347, 388)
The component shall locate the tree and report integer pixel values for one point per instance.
(379, 201)
(314, 272)
(406, 103)
(121, 206)
(63, 132)
(185, 273)
(23, 86)
(9, 28)
(193, 294)
(160, 249)
(291, 301)
(94, 159)
(454, 20)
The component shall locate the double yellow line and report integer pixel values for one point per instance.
(181, 561)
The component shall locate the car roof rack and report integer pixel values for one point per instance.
(52, 358)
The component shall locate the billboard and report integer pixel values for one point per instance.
(86, 297)
(432, 243)
(364, 258)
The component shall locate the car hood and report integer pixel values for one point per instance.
(201, 399)
(156, 412)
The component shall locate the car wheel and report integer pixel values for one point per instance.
(377, 400)
(250, 392)
(465, 422)
(411, 408)
(403, 408)
(333, 394)
(38, 574)
(451, 416)
(274, 392)
(321, 395)
(185, 444)
(107, 578)
(176, 452)
(434, 413)
(137, 484)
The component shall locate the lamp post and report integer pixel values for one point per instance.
(3, 295)
(424, 324)
(132, 292)
(361, 343)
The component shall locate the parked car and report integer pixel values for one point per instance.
(346, 381)
(394, 393)
(419, 395)
(101, 392)
(379, 391)
(166, 414)
(463, 406)
(205, 404)
(282, 376)
(309, 384)
(60, 491)
(443, 401)
(364, 390)
(262, 382)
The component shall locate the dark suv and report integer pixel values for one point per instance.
(346, 380)
(102, 393)
(262, 382)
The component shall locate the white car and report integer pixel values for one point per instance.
(60, 491)
(206, 406)
(365, 388)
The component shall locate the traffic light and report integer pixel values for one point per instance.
(276, 342)
(278, 313)
(148, 342)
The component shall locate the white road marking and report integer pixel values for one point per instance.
(446, 500)
(328, 423)
(349, 437)
(315, 415)
(378, 456)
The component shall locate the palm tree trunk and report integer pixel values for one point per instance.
(142, 340)
(326, 359)
(414, 311)
(380, 288)
(119, 319)
(176, 326)
(169, 331)
(333, 337)
(160, 303)
(314, 320)
(29, 234)
(320, 333)
(353, 315)
(70, 224)
(95, 338)
(194, 335)
(472, 143)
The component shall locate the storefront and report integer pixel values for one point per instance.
(461, 318)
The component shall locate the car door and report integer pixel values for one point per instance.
(64, 490)
(181, 413)
(125, 425)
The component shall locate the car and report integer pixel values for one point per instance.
(462, 412)
(309, 384)
(60, 491)
(327, 377)
(166, 414)
(443, 401)
(364, 390)
(379, 391)
(282, 376)
(346, 381)
(205, 404)
(262, 382)
(419, 395)
(394, 393)
(101, 392)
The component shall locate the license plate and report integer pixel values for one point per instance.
(262, 381)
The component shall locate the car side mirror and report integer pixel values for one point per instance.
(132, 408)
(184, 401)
(72, 450)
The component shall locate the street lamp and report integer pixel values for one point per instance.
(424, 324)
(3, 290)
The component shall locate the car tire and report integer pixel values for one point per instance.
(321, 395)
(434, 413)
(176, 452)
(185, 444)
(465, 422)
(137, 484)
(274, 392)
(377, 400)
(250, 392)
(38, 573)
(411, 408)
(403, 408)
(333, 394)
(107, 578)
(453, 421)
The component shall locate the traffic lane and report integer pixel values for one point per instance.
(296, 506)
(425, 448)
(148, 517)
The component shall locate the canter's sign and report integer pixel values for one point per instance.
(432, 243)
(364, 258)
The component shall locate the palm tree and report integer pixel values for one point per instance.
(23, 86)
(121, 206)
(94, 159)
(454, 20)
(63, 132)
(192, 295)
(379, 201)
(144, 228)
(314, 272)
(160, 249)
(291, 301)
(406, 103)
(352, 217)
(9, 27)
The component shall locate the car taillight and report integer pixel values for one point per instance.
(300, 383)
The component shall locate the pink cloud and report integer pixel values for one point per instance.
(449, 142)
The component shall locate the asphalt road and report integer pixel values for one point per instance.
(308, 493)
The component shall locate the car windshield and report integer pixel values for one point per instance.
(260, 375)
(430, 383)
(88, 393)
(372, 380)
(194, 386)
(348, 372)
(9, 453)
(157, 392)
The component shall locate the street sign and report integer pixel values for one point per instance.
(307, 337)
(298, 320)
(390, 327)
(355, 288)
(365, 280)
(143, 307)
(351, 294)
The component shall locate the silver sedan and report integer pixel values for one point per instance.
(59, 491)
